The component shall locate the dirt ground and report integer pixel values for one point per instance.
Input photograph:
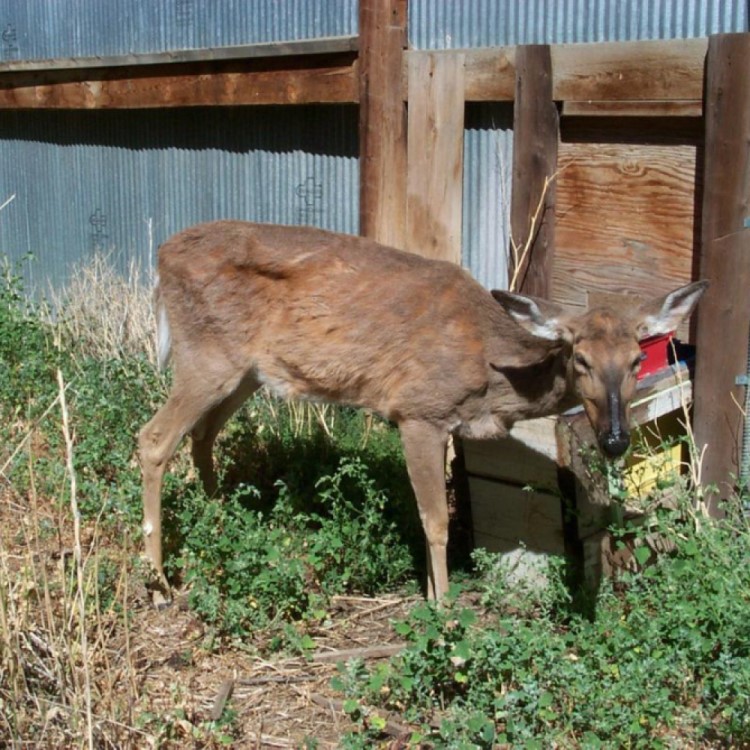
(279, 702)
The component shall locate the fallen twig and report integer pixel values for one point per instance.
(275, 680)
(224, 694)
(368, 652)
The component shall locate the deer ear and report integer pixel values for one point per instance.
(539, 317)
(663, 314)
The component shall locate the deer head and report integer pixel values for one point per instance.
(602, 352)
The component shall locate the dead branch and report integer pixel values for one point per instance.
(369, 652)
(224, 694)
(520, 254)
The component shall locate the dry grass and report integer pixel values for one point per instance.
(105, 314)
(66, 676)
(85, 661)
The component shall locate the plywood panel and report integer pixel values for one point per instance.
(509, 514)
(625, 219)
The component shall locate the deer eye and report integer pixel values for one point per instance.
(581, 362)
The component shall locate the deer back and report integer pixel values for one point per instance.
(339, 318)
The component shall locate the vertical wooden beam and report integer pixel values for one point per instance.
(382, 121)
(435, 155)
(536, 134)
(724, 312)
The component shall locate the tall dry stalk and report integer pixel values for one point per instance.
(78, 556)
(521, 253)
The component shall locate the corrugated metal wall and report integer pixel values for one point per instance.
(488, 163)
(448, 24)
(41, 29)
(123, 182)
(95, 179)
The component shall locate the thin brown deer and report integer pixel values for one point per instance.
(337, 318)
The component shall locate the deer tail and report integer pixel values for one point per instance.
(163, 334)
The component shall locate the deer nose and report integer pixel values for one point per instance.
(614, 444)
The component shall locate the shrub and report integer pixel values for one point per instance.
(663, 662)
(250, 569)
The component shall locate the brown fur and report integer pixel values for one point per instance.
(312, 314)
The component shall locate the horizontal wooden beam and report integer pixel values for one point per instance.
(642, 71)
(280, 80)
(682, 108)
(635, 71)
(648, 73)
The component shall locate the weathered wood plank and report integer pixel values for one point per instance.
(435, 156)
(625, 220)
(382, 121)
(639, 70)
(295, 48)
(670, 70)
(724, 313)
(537, 132)
(527, 457)
(278, 81)
(682, 108)
(505, 515)
(722, 343)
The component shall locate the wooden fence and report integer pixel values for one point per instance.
(649, 141)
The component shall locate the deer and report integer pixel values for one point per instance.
(312, 314)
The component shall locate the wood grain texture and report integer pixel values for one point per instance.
(382, 121)
(642, 70)
(507, 516)
(435, 156)
(536, 131)
(305, 80)
(625, 220)
(601, 71)
(682, 108)
(724, 313)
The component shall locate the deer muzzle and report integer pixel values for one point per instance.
(615, 440)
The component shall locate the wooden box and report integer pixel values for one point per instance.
(542, 491)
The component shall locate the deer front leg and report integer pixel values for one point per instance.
(424, 448)
(157, 443)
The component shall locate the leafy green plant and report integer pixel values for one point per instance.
(249, 568)
(664, 661)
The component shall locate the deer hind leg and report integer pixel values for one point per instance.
(186, 406)
(204, 433)
(424, 448)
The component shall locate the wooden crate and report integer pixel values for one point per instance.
(524, 488)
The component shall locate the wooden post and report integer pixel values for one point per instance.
(536, 134)
(724, 312)
(435, 155)
(382, 121)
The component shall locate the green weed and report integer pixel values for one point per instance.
(663, 663)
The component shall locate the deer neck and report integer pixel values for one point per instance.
(539, 389)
